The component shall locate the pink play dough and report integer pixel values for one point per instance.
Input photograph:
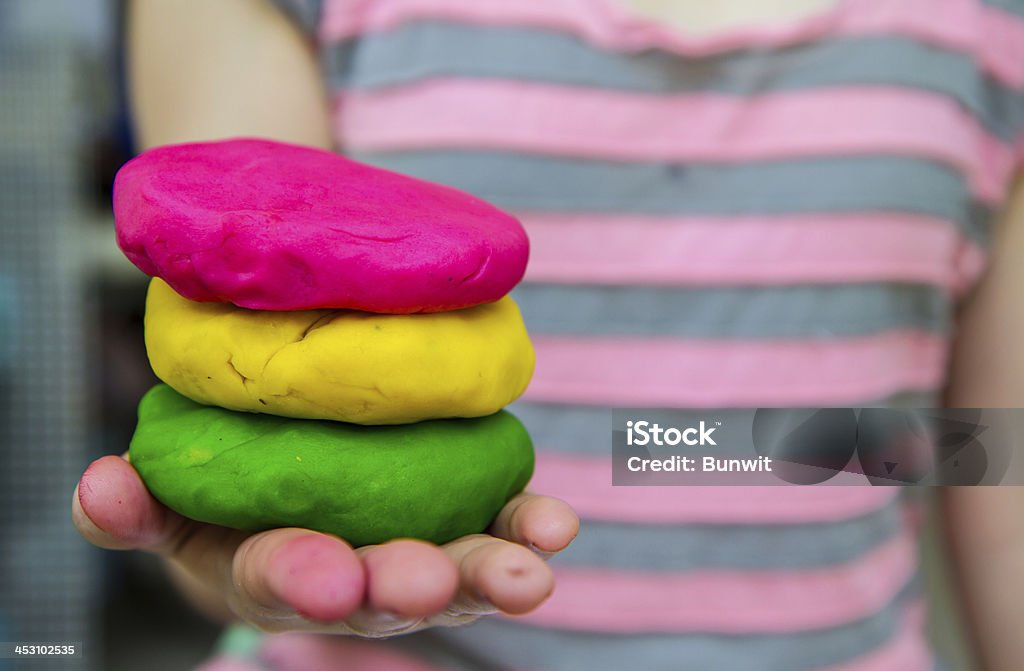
(274, 226)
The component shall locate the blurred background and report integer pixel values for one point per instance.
(72, 360)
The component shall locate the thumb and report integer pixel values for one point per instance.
(112, 508)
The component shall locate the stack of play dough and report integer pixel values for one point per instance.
(336, 342)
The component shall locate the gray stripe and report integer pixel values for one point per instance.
(1012, 6)
(587, 430)
(496, 644)
(872, 183)
(729, 547)
(422, 50)
(817, 311)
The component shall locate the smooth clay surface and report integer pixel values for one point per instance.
(274, 226)
(434, 480)
(340, 364)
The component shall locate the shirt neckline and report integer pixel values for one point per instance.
(643, 31)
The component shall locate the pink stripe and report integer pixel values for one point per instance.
(585, 482)
(787, 249)
(607, 124)
(994, 37)
(727, 601)
(313, 652)
(707, 373)
(907, 651)
(226, 663)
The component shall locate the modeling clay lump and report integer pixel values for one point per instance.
(274, 226)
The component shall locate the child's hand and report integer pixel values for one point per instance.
(296, 579)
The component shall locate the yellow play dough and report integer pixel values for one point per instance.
(340, 364)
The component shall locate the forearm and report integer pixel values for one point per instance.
(985, 533)
(201, 70)
(985, 525)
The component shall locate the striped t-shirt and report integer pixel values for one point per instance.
(780, 216)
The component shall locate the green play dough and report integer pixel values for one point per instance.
(434, 480)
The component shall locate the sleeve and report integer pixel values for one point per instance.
(305, 14)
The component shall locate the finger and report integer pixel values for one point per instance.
(544, 522)
(112, 508)
(498, 573)
(408, 578)
(282, 572)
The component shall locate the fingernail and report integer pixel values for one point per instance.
(482, 605)
(385, 621)
(386, 617)
(86, 496)
(85, 488)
